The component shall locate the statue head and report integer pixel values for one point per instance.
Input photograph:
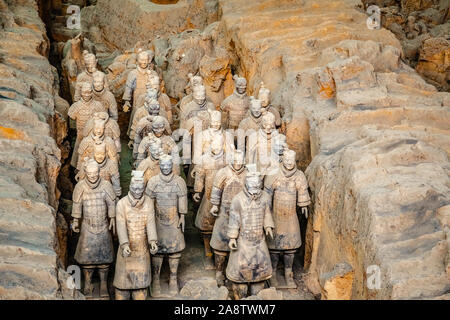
(91, 169)
(255, 107)
(268, 122)
(217, 145)
(152, 106)
(99, 127)
(253, 183)
(155, 148)
(195, 80)
(238, 160)
(151, 94)
(99, 81)
(90, 62)
(143, 59)
(199, 94)
(99, 152)
(137, 184)
(216, 120)
(240, 83)
(279, 144)
(165, 164)
(86, 91)
(264, 95)
(158, 126)
(289, 159)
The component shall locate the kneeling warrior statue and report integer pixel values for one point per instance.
(250, 216)
(136, 230)
(170, 196)
(289, 189)
(93, 204)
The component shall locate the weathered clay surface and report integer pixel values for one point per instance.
(379, 175)
(32, 122)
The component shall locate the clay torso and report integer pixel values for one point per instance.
(234, 109)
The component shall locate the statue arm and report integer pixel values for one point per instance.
(77, 205)
(199, 178)
(151, 224)
(121, 224)
(268, 219)
(234, 223)
(182, 197)
(303, 199)
(110, 198)
(115, 180)
(218, 185)
(130, 85)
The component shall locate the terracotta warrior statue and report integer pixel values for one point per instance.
(260, 149)
(87, 76)
(170, 196)
(94, 208)
(228, 182)
(264, 97)
(197, 108)
(250, 218)
(163, 99)
(204, 172)
(81, 111)
(112, 128)
(97, 135)
(289, 190)
(234, 108)
(103, 95)
(159, 131)
(193, 82)
(150, 165)
(108, 169)
(136, 229)
(137, 80)
(250, 124)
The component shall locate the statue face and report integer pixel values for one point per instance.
(241, 85)
(278, 146)
(99, 128)
(289, 161)
(98, 83)
(199, 96)
(238, 161)
(216, 123)
(86, 93)
(267, 125)
(165, 166)
(100, 153)
(143, 60)
(137, 188)
(158, 128)
(155, 151)
(264, 96)
(153, 108)
(92, 174)
(255, 109)
(253, 185)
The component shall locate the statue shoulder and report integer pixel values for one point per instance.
(181, 185)
(84, 144)
(78, 191)
(107, 188)
(114, 126)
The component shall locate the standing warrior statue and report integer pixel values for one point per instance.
(228, 182)
(234, 108)
(137, 79)
(93, 205)
(112, 128)
(193, 82)
(251, 124)
(87, 76)
(250, 216)
(109, 169)
(289, 189)
(204, 173)
(103, 95)
(81, 111)
(136, 229)
(264, 97)
(150, 165)
(170, 196)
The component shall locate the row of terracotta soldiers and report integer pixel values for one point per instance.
(230, 192)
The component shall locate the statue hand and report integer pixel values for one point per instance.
(112, 225)
(305, 212)
(196, 197)
(130, 144)
(269, 232)
(76, 225)
(232, 244)
(214, 210)
(181, 223)
(126, 106)
(77, 177)
(153, 247)
(126, 251)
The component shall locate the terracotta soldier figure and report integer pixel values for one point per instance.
(170, 195)
(151, 108)
(159, 131)
(94, 207)
(264, 97)
(250, 124)
(136, 229)
(260, 150)
(103, 95)
(87, 76)
(234, 108)
(193, 82)
(211, 162)
(289, 189)
(137, 80)
(112, 128)
(150, 165)
(228, 182)
(81, 111)
(163, 99)
(108, 169)
(96, 136)
(196, 108)
(250, 217)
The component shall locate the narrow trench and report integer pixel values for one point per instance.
(192, 265)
